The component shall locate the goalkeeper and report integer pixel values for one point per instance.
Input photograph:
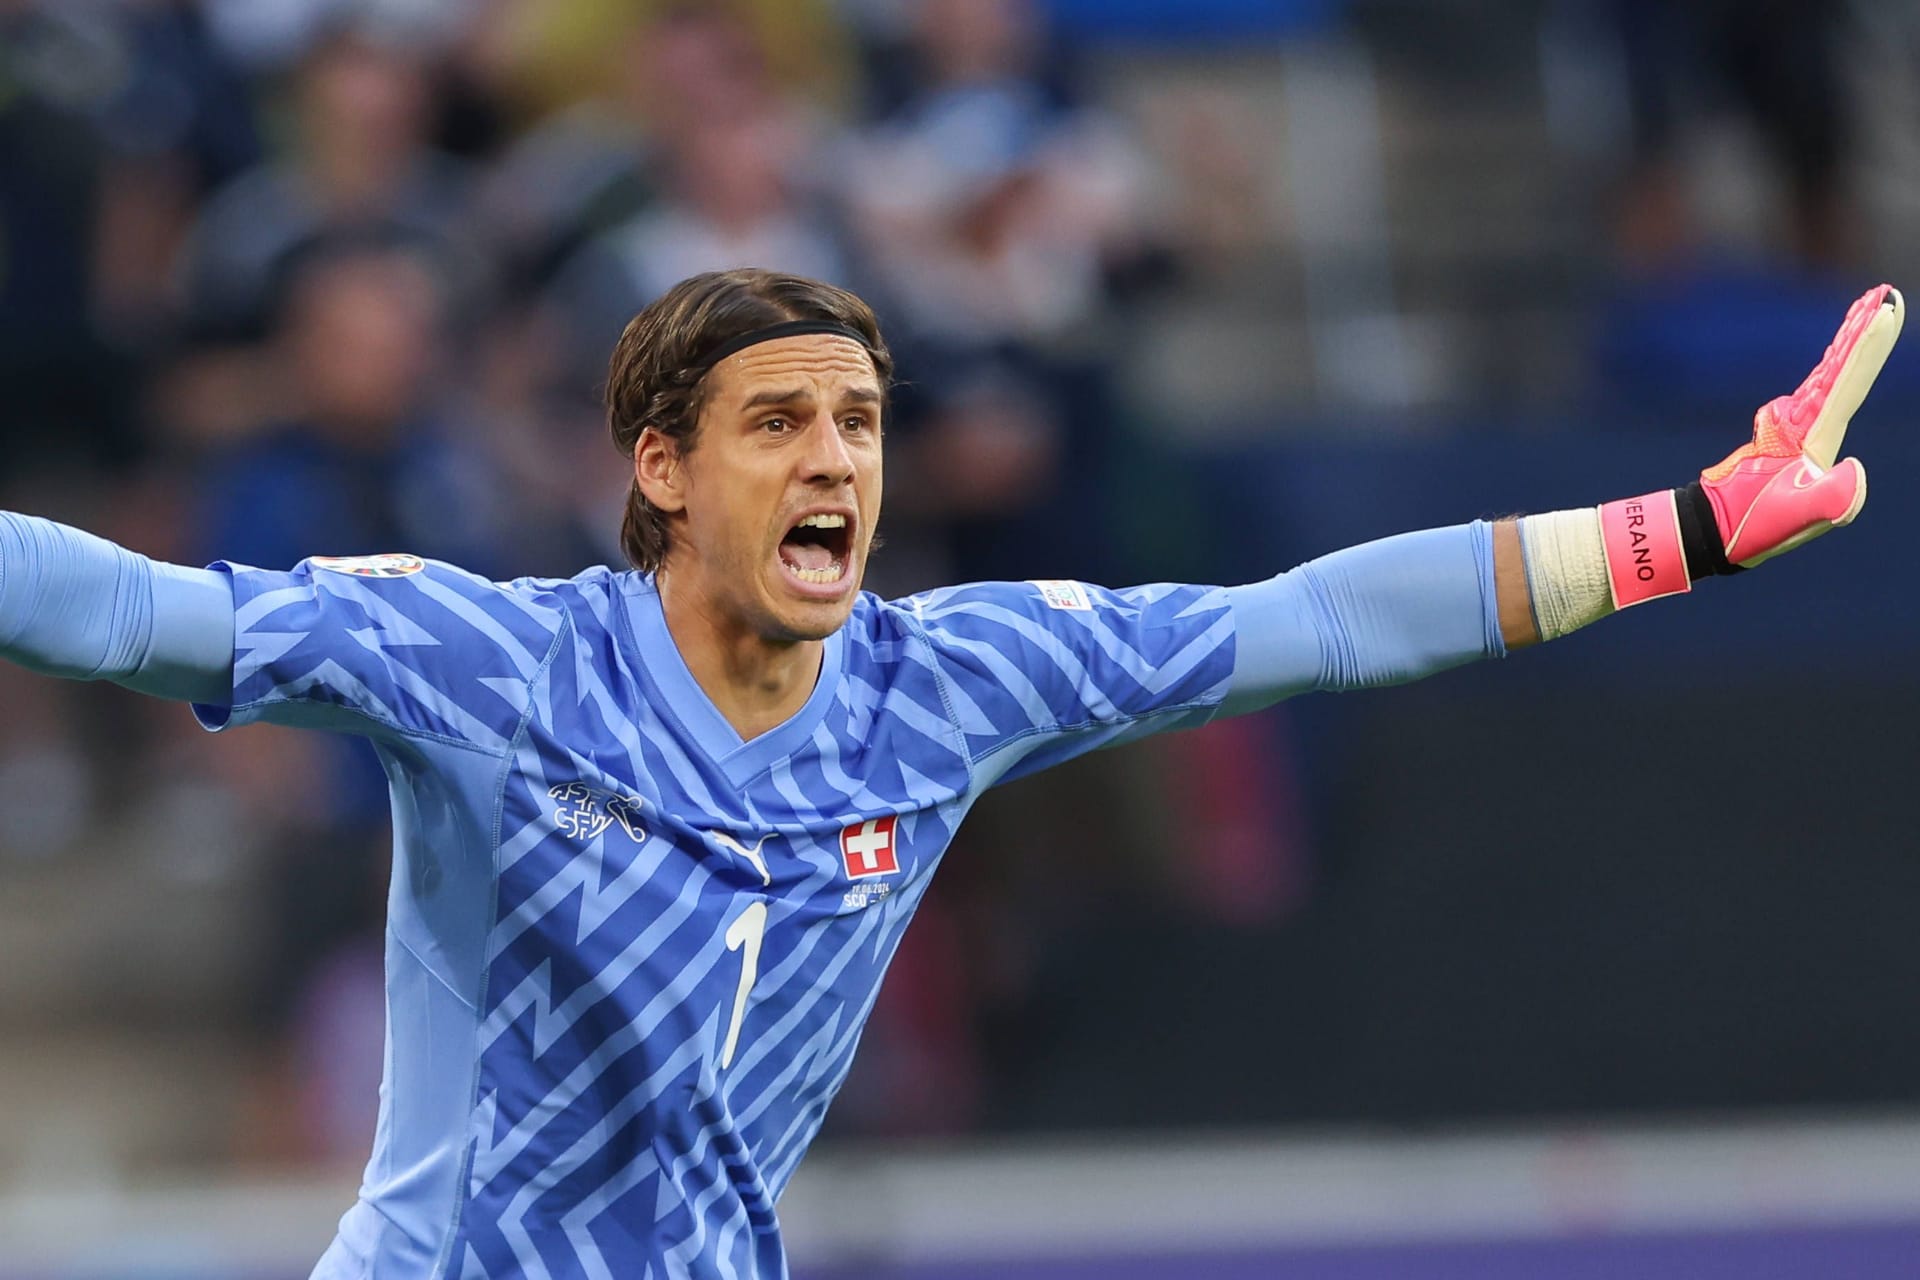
(658, 832)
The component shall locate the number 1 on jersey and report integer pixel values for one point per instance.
(743, 935)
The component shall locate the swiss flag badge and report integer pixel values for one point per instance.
(867, 848)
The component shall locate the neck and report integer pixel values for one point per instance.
(758, 684)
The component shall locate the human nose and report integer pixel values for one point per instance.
(827, 460)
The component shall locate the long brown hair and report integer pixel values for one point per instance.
(657, 377)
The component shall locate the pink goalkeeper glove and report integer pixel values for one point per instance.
(1768, 496)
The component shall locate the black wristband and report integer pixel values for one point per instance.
(1700, 534)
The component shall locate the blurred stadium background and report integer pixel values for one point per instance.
(1599, 962)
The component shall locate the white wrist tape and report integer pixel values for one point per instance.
(1566, 560)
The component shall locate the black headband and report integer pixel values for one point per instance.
(785, 329)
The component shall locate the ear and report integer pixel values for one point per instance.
(657, 470)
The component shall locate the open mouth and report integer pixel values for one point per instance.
(816, 550)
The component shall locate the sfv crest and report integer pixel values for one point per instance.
(584, 813)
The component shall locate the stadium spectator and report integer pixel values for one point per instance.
(731, 197)
(360, 162)
(548, 55)
(362, 453)
(1777, 63)
(628, 94)
(729, 154)
(178, 125)
(63, 388)
(1004, 205)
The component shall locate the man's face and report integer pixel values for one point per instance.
(773, 509)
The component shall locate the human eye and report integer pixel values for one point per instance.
(777, 425)
(855, 423)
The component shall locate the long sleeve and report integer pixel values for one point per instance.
(1382, 613)
(78, 606)
(1036, 673)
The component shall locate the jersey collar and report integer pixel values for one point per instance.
(682, 699)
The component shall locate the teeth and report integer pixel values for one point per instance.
(830, 574)
(824, 521)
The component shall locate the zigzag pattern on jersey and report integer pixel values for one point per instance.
(439, 653)
(606, 1139)
(1024, 673)
(609, 1141)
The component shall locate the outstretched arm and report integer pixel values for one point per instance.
(79, 606)
(1409, 606)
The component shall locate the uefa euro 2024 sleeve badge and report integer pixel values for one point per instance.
(390, 565)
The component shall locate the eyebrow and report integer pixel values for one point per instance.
(794, 395)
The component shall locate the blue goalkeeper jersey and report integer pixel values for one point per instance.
(628, 954)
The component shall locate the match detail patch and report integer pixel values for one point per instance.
(390, 565)
(1061, 594)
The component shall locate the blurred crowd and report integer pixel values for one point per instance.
(355, 268)
(287, 277)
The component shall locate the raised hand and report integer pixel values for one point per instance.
(1783, 488)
